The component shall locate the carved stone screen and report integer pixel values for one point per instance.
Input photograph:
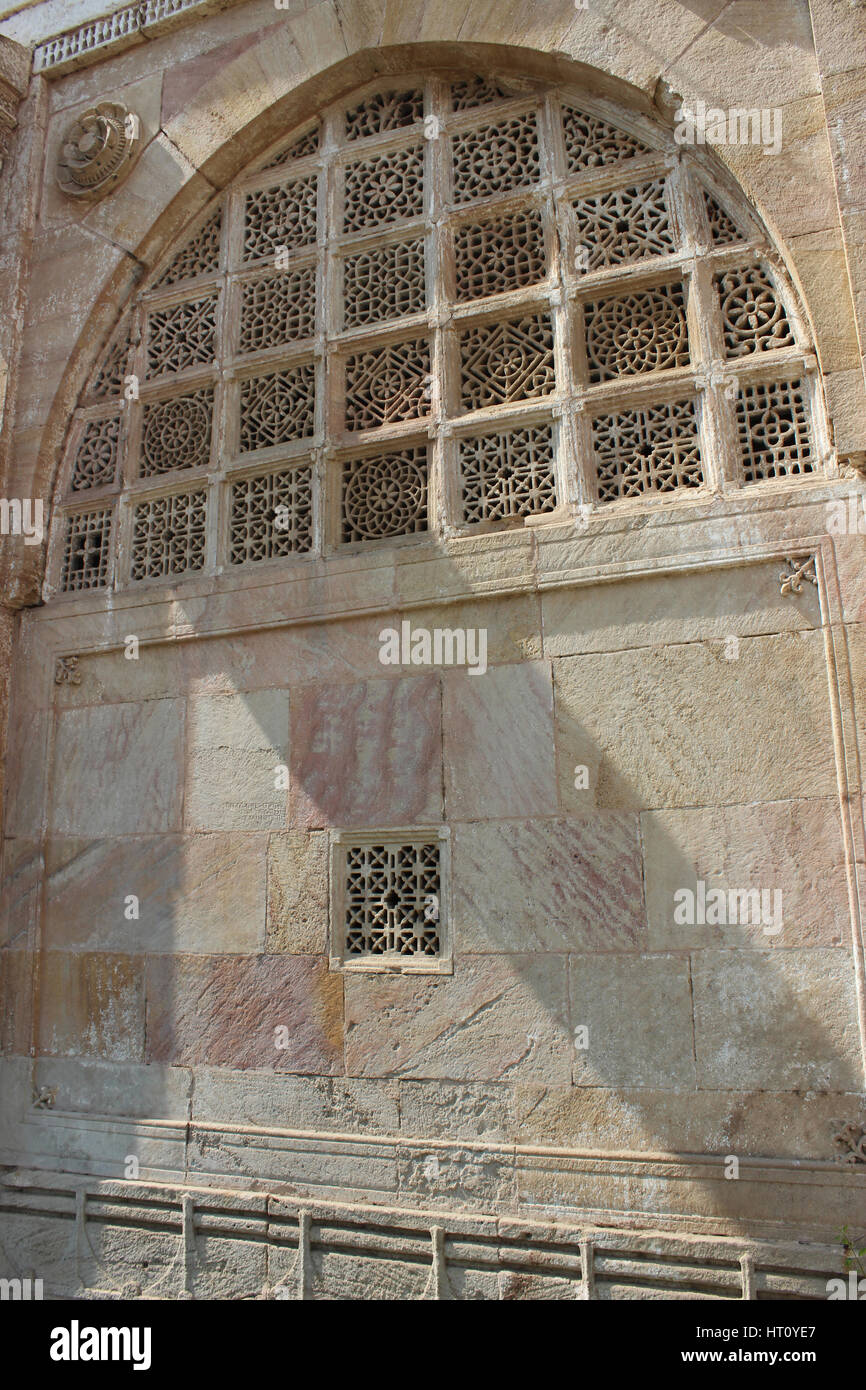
(446, 304)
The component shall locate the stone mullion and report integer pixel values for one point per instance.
(573, 454)
(718, 426)
(440, 274)
(327, 472)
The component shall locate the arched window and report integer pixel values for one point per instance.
(449, 305)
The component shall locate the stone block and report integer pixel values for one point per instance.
(118, 769)
(793, 848)
(495, 1017)
(91, 1005)
(637, 1013)
(227, 1010)
(297, 913)
(23, 869)
(236, 743)
(499, 747)
(277, 1100)
(549, 885)
(697, 606)
(367, 753)
(196, 893)
(776, 1020)
(91, 1086)
(681, 725)
(445, 1110)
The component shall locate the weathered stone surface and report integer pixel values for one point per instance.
(22, 874)
(637, 1013)
(625, 1120)
(110, 677)
(779, 1020)
(94, 1086)
(367, 753)
(681, 725)
(744, 848)
(456, 1176)
(24, 788)
(225, 1010)
(297, 912)
(549, 885)
(196, 893)
(236, 745)
(499, 749)
(118, 769)
(280, 1101)
(91, 1005)
(709, 605)
(444, 1110)
(16, 990)
(494, 1018)
(339, 1276)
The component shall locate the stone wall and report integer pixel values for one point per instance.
(468, 1097)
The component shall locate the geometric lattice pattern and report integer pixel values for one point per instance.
(508, 474)
(591, 142)
(640, 332)
(384, 111)
(281, 217)
(278, 407)
(108, 379)
(496, 158)
(278, 309)
(299, 149)
(385, 495)
(413, 253)
(176, 433)
(723, 229)
(96, 460)
(168, 535)
(200, 256)
(653, 449)
(508, 361)
(384, 188)
(390, 383)
(503, 253)
(392, 896)
(625, 225)
(470, 92)
(773, 426)
(271, 515)
(385, 282)
(181, 336)
(86, 551)
(753, 317)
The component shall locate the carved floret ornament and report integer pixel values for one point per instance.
(97, 150)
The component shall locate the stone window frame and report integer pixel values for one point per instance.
(341, 840)
(688, 181)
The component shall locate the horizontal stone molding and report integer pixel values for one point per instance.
(93, 40)
(287, 1247)
(502, 1179)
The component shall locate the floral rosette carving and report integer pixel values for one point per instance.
(97, 150)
